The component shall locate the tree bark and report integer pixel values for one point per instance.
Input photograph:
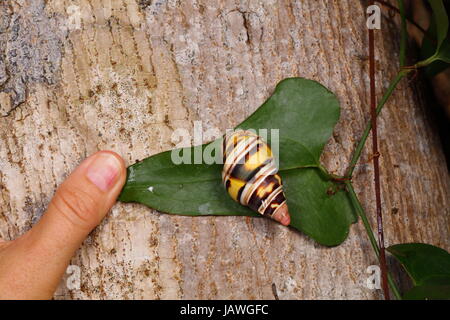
(80, 76)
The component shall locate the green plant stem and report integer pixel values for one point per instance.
(362, 141)
(355, 158)
(426, 62)
(399, 76)
(404, 34)
(373, 241)
(362, 215)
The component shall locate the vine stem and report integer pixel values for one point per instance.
(346, 179)
(355, 158)
(375, 110)
(404, 34)
(361, 213)
(362, 141)
(376, 158)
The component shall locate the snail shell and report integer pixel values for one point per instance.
(250, 175)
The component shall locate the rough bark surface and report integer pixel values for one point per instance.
(80, 76)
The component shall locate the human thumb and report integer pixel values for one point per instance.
(78, 206)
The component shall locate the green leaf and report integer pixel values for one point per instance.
(318, 206)
(305, 113)
(444, 52)
(435, 288)
(429, 269)
(435, 49)
(441, 19)
(186, 189)
(441, 56)
(421, 260)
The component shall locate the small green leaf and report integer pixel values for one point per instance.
(435, 288)
(441, 55)
(441, 19)
(422, 261)
(444, 52)
(429, 269)
(305, 113)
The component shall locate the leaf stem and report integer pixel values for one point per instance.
(361, 213)
(404, 34)
(362, 141)
(426, 62)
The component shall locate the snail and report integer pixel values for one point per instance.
(250, 175)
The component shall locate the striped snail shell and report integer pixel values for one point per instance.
(250, 175)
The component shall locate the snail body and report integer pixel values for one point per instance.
(250, 175)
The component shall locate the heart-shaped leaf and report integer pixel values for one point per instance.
(305, 113)
(429, 269)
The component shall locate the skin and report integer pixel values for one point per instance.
(32, 265)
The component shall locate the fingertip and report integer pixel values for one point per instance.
(122, 166)
(106, 170)
(117, 156)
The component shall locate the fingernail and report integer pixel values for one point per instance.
(103, 171)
